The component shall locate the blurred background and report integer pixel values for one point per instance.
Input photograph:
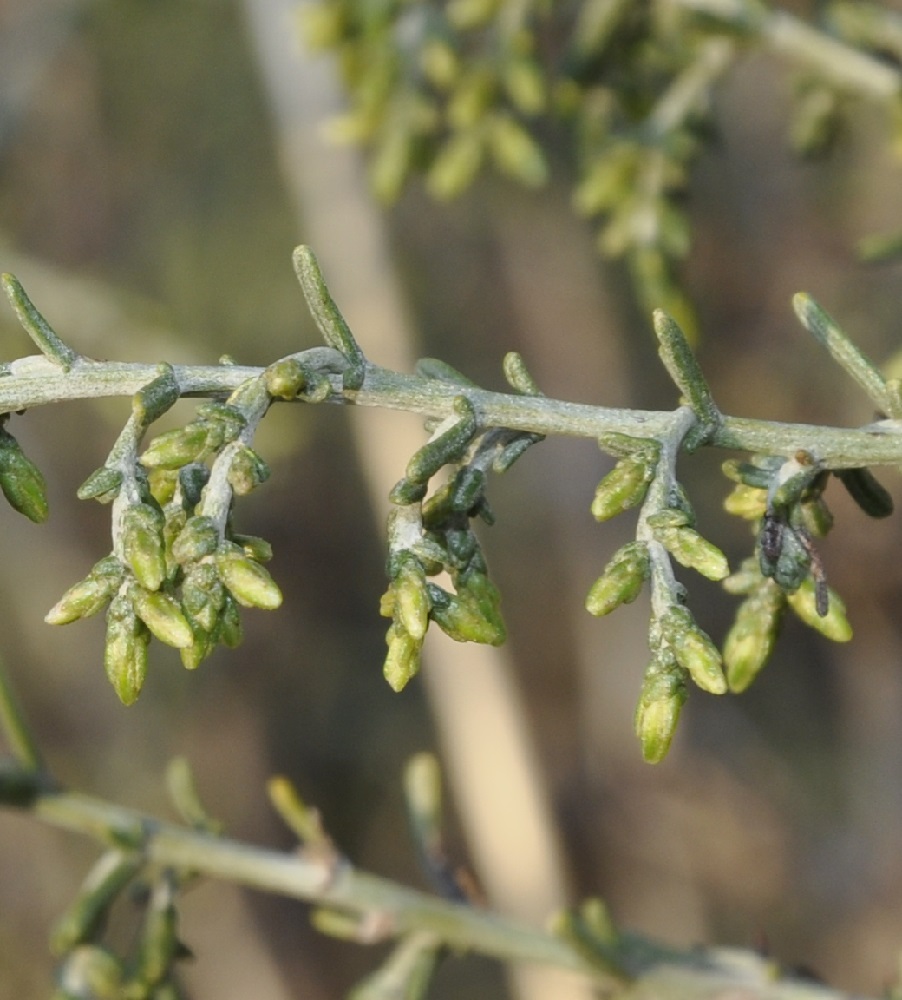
(158, 162)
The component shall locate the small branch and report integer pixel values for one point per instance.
(14, 726)
(654, 969)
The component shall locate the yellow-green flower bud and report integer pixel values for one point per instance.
(90, 972)
(162, 484)
(250, 584)
(525, 84)
(834, 624)
(515, 152)
(21, 481)
(623, 487)
(746, 501)
(143, 548)
(465, 616)
(411, 598)
(478, 587)
(203, 595)
(285, 379)
(163, 615)
(254, 547)
(439, 63)
(110, 874)
(658, 712)
(466, 14)
(202, 645)
(88, 596)
(125, 653)
(690, 549)
(176, 448)
(621, 581)
(247, 470)
(403, 658)
(751, 639)
(455, 166)
(199, 538)
(693, 650)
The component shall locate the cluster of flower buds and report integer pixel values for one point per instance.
(680, 649)
(431, 535)
(178, 572)
(89, 968)
(784, 500)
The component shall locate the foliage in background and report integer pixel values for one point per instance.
(444, 89)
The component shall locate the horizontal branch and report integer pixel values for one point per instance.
(34, 381)
(395, 910)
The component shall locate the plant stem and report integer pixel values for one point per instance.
(400, 910)
(34, 381)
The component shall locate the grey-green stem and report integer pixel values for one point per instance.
(34, 381)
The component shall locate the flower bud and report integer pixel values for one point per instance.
(198, 538)
(90, 973)
(749, 502)
(690, 549)
(285, 379)
(125, 653)
(163, 615)
(142, 544)
(159, 395)
(658, 711)
(623, 487)
(247, 470)
(175, 448)
(21, 481)
(834, 624)
(693, 649)
(254, 547)
(250, 584)
(411, 598)
(621, 581)
(88, 596)
(751, 639)
(203, 595)
(403, 658)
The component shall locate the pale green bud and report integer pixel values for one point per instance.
(125, 653)
(455, 166)
(466, 617)
(163, 615)
(439, 63)
(21, 481)
(254, 547)
(658, 712)
(751, 639)
(411, 603)
(162, 484)
(816, 517)
(693, 650)
(403, 658)
(88, 596)
(834, 624)
(690, 549)
(159, 395)
(202, 645)
(247, 470)
(176, 448)
(515, 152)
(91, 973)
(285, 379)
(203, 595)
(746, 501)
(623, 487)
(250, 584)
(198, 538)
(621, 581)
(525, 84)
(143, 548)
(465, 14)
